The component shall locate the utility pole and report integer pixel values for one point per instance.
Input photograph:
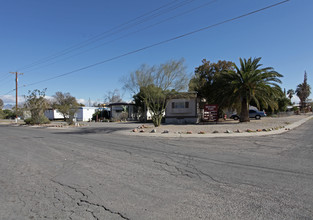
(16, 86)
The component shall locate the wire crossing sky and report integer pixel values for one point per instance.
(50, 41)
(102, 36)
(159, 43)
(133, 22)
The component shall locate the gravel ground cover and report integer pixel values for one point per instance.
(266, 124)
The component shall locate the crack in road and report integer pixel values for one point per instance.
(103, 207)
(182, 172)
(186, 161)
(200, 158)
(71, 187)
(81, 201)
(93, 214)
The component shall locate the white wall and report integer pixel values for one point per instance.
(82, 114)
(85, 113)
(53, 114)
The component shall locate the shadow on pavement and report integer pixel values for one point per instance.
(84, 131)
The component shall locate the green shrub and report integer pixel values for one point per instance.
(8, 114)
(2, 114)
(40, 120)
(28, 121)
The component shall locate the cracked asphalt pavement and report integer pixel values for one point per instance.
(59, 174)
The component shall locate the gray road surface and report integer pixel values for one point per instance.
(96, 174)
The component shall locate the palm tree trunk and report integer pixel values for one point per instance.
(244, 115)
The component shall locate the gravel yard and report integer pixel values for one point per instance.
(229, 125)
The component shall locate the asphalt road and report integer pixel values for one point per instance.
(97, 174)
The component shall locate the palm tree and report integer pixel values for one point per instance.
(290, 93)
(303, 91)
(251, 82)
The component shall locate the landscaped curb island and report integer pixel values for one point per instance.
(228, 128)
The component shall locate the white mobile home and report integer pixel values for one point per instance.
(85, 113)
(82, 114)
(183, 109)
(53, 114)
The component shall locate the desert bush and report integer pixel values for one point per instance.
(123, 116)
(36, 104)
(37, 120)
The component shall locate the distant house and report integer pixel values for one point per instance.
(82, 114)
(85, 113)
(183, 108)
(53, 114)
(123, 111)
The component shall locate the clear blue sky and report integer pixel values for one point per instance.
(33, 30)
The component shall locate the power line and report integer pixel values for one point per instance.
(5, 76)
(134, 32)
(4, 82)
(5, 79)
(149, 15)
(161, 42)
(92, 38)
(12, 90)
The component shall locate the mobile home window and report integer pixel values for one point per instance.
(180, 104)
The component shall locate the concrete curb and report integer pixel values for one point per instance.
(233, 134)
